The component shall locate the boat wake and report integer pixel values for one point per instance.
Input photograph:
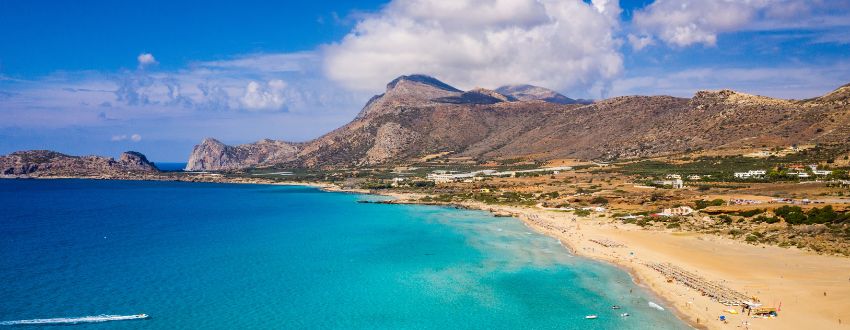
(76, 320)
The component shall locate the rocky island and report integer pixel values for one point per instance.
(45, 163)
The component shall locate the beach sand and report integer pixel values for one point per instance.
(795, 278)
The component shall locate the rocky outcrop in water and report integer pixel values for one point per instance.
(46, 163)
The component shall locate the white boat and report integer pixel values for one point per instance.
(591, 317)
(624, 314)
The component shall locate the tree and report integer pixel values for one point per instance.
(793, 215)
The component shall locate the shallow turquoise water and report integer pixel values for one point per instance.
(195, 255)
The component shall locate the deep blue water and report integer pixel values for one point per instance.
(223, 256)
(163, 166)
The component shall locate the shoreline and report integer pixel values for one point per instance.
(696, 310)
(694, 252)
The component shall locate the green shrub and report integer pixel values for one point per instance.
(765, 219)
(582, 213)
(750, 213)
(701, 204)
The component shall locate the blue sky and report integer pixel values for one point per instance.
(101, 77)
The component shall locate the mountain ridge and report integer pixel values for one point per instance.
(419, 115)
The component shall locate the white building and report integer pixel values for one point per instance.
(445, 177)
(750, 174)
(673, 176)
(675, 184)
(677, 211)
(694, 177)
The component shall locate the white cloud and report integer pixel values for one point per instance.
(146, 59)
(125, 137)
(640, 42)
(559, 44)
(278, 63)
(687, 22)
(267, 96)
(800, 82)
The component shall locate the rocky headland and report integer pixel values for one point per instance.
(45, 163)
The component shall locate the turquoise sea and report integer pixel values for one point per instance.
(227, 256)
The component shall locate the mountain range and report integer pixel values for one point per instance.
(419, 116)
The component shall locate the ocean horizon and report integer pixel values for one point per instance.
(208, 255)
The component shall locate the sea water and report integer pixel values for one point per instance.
(229, 256)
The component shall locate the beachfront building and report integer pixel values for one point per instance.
(446, 177)
(754, 174)
(449, 176)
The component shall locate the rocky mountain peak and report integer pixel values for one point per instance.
(420, 79)
(211, 154)
(416, 89)
(476, 96)
(211, 142)
(530, 92)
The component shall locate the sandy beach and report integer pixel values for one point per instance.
(813, 290)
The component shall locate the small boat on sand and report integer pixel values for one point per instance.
(591, 317)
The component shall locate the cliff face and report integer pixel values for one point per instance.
(418, 116)
(43, 163)
(214, 155)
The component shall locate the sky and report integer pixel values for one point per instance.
(103, 77)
